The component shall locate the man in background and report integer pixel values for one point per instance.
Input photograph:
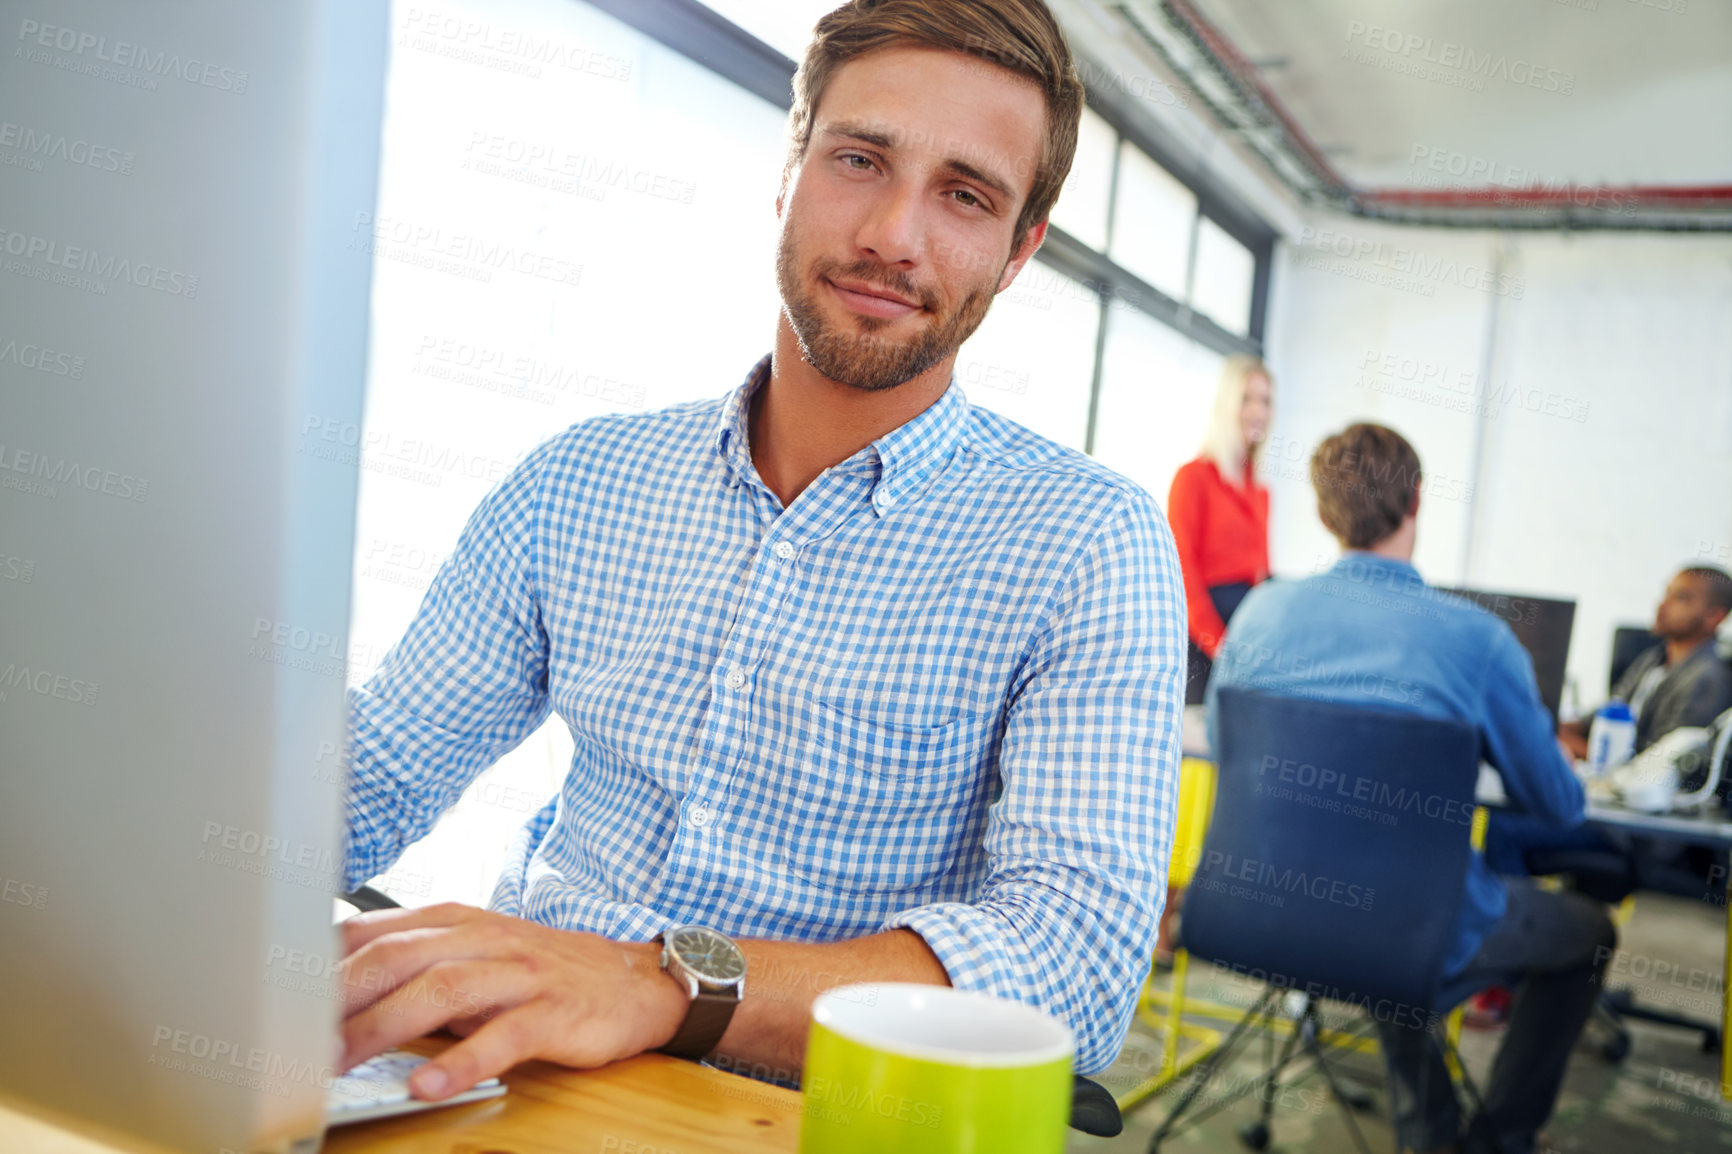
(1458, 662)
(1681, 681)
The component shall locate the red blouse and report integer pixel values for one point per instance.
(1222, 532)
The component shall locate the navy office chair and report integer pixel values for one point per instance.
(1333, 866)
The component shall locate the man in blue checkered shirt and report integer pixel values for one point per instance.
(881, 686)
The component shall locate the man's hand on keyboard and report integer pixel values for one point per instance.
(512, 989)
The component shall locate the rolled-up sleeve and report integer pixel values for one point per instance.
(466, 683)
(1079, 839)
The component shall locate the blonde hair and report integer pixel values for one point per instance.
(1224, 436)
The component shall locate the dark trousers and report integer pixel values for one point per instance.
(1553, 947)
(1198, 665)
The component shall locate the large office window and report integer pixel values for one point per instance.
(1156, 389)
(1152, 234)
(1033, 358)
(1083, 206)
(1224, 277)
(588, 228)
(785, 25)
(576, 217)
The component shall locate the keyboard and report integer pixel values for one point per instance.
(379, 1088)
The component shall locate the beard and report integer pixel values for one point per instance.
(869, 360)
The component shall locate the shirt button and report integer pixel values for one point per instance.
(886, 498)
(784, 550)
(734, 679)
(699, 816)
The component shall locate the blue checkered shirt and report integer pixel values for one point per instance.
(942, 691)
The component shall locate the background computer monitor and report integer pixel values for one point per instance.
(1543, 627)
(177, 301)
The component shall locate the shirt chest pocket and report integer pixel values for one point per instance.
(890, 788)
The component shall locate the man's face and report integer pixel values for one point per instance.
(897, 222)
(1686, 610)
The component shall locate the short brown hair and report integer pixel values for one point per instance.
(1367, 478)
(1020, 36)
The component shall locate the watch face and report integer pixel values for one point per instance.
(709, 955)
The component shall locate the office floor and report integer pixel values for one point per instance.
(1664, 1097)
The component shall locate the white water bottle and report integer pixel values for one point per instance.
(1612, 737)
(1570, 708)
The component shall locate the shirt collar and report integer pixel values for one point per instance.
(732, 442)
(900, 461)
(908, 454)
(1360, 559)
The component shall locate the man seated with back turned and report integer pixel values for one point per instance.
(1372, 614)
(865, 683)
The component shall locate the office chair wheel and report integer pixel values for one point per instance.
(1254, 1135)
(1616, 1048)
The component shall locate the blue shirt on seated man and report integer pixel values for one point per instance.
(1370, 631)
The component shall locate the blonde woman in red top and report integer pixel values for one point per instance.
(1220, 520)
(1220, 514)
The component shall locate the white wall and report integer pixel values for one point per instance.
(1331, 326)
(1593, 371)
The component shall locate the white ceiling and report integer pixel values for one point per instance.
(1649, 100)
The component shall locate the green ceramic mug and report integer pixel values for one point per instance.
(928, 1069)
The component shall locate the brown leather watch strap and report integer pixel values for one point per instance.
(706, 1021)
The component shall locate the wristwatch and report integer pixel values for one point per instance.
(712, 970)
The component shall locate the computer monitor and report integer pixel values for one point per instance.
(176, 301)
(1543, 627)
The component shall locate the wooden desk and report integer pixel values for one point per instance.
(650, 1104)
(645, 1105)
